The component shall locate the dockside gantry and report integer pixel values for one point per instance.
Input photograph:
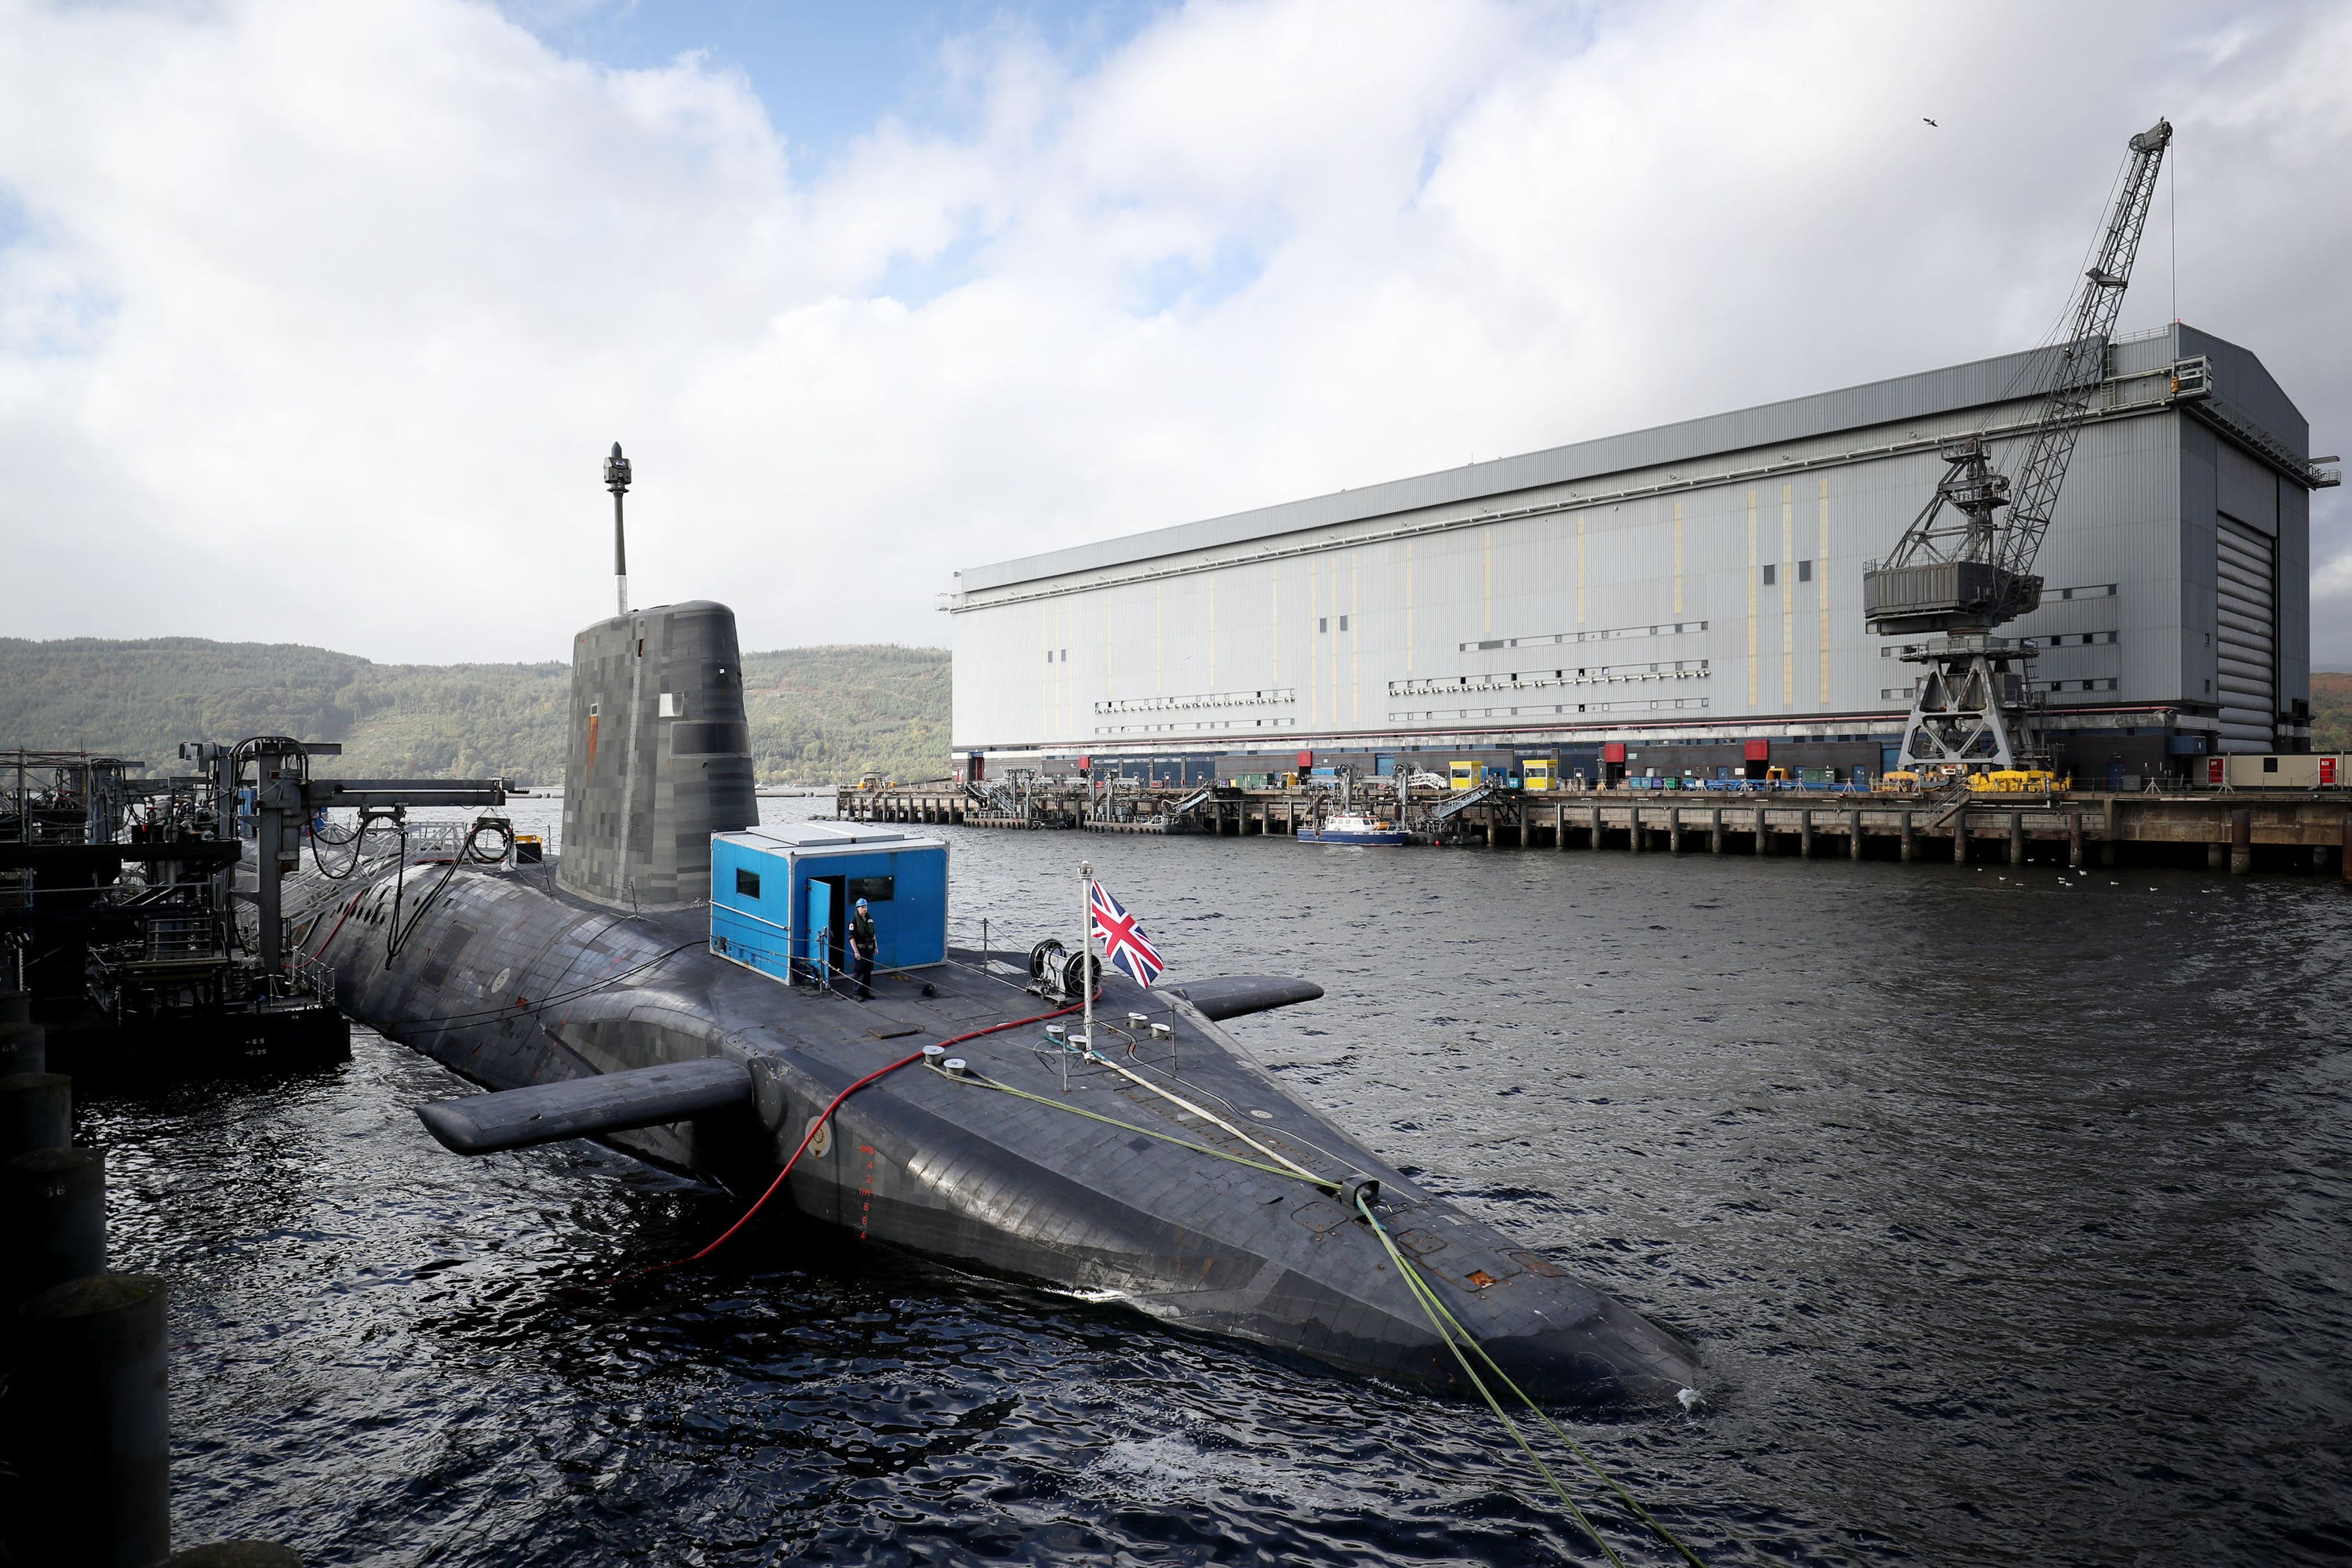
(1960, 570)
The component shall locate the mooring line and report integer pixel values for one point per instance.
(1447, 1326)
(1442, 1320)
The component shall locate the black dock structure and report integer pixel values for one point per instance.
(2239, 830)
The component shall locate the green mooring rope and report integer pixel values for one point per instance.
(987, 1082)
(1447, 1326)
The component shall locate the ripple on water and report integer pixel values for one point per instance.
(2036, 1256)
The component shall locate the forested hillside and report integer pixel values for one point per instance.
(2331, 711)
(819, 716)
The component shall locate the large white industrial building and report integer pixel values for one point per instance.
(1691, 592)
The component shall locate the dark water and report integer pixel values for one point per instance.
(2011, 1209)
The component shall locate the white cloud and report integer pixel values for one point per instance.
(322, 316)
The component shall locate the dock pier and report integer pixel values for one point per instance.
(2240, 832)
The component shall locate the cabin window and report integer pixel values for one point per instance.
(872, 889)
(747, 883)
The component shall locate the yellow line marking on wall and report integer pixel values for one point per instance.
(1821, 589)
(1274, 571)
(1486, 610)
(1213, 632)
(1408, 608)
(1752, 566)
(1355, 626)
(1580, 568)
(1787, 596)
(1678, 558)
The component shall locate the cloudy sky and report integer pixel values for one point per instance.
(315, 320)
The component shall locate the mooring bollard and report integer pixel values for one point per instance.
(52, 1220)
(36, 1113)
(23, 1048)
(90, 1433)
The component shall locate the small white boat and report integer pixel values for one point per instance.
(1349, 828)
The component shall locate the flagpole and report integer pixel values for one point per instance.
(1086, 925)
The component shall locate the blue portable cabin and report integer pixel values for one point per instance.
(780, 897)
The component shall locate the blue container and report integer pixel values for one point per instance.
(782, 897)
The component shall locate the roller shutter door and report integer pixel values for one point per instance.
(2246, 639)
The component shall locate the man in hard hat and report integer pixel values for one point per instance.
(862, 948)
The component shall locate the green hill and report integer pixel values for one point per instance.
(819, 716)
(2331, 710)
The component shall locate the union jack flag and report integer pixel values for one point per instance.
(1124, 943)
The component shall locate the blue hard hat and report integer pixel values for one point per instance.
(861, 904)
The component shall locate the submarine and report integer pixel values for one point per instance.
(669, 984)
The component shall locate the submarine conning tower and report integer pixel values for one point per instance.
(659, 756)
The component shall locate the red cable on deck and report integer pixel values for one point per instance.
(821, 1119)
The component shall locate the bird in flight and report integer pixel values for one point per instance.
(1931, 123)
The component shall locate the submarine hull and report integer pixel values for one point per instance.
(510, 981)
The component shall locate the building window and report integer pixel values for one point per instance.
(1343, 623)
(1322, 623)
(1804, 571)
(1771, 575)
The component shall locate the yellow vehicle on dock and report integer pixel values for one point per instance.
(2018, 781)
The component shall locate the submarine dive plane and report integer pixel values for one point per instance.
(708, 1029)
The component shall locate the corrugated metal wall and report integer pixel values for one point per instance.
(1704, 608)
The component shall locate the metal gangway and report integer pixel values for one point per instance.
(1193, 803)
(1463, 801)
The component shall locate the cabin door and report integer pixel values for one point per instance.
(828, 926)
(824, 897)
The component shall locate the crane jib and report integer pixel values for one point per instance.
(1960, 522)
(1965, 566)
